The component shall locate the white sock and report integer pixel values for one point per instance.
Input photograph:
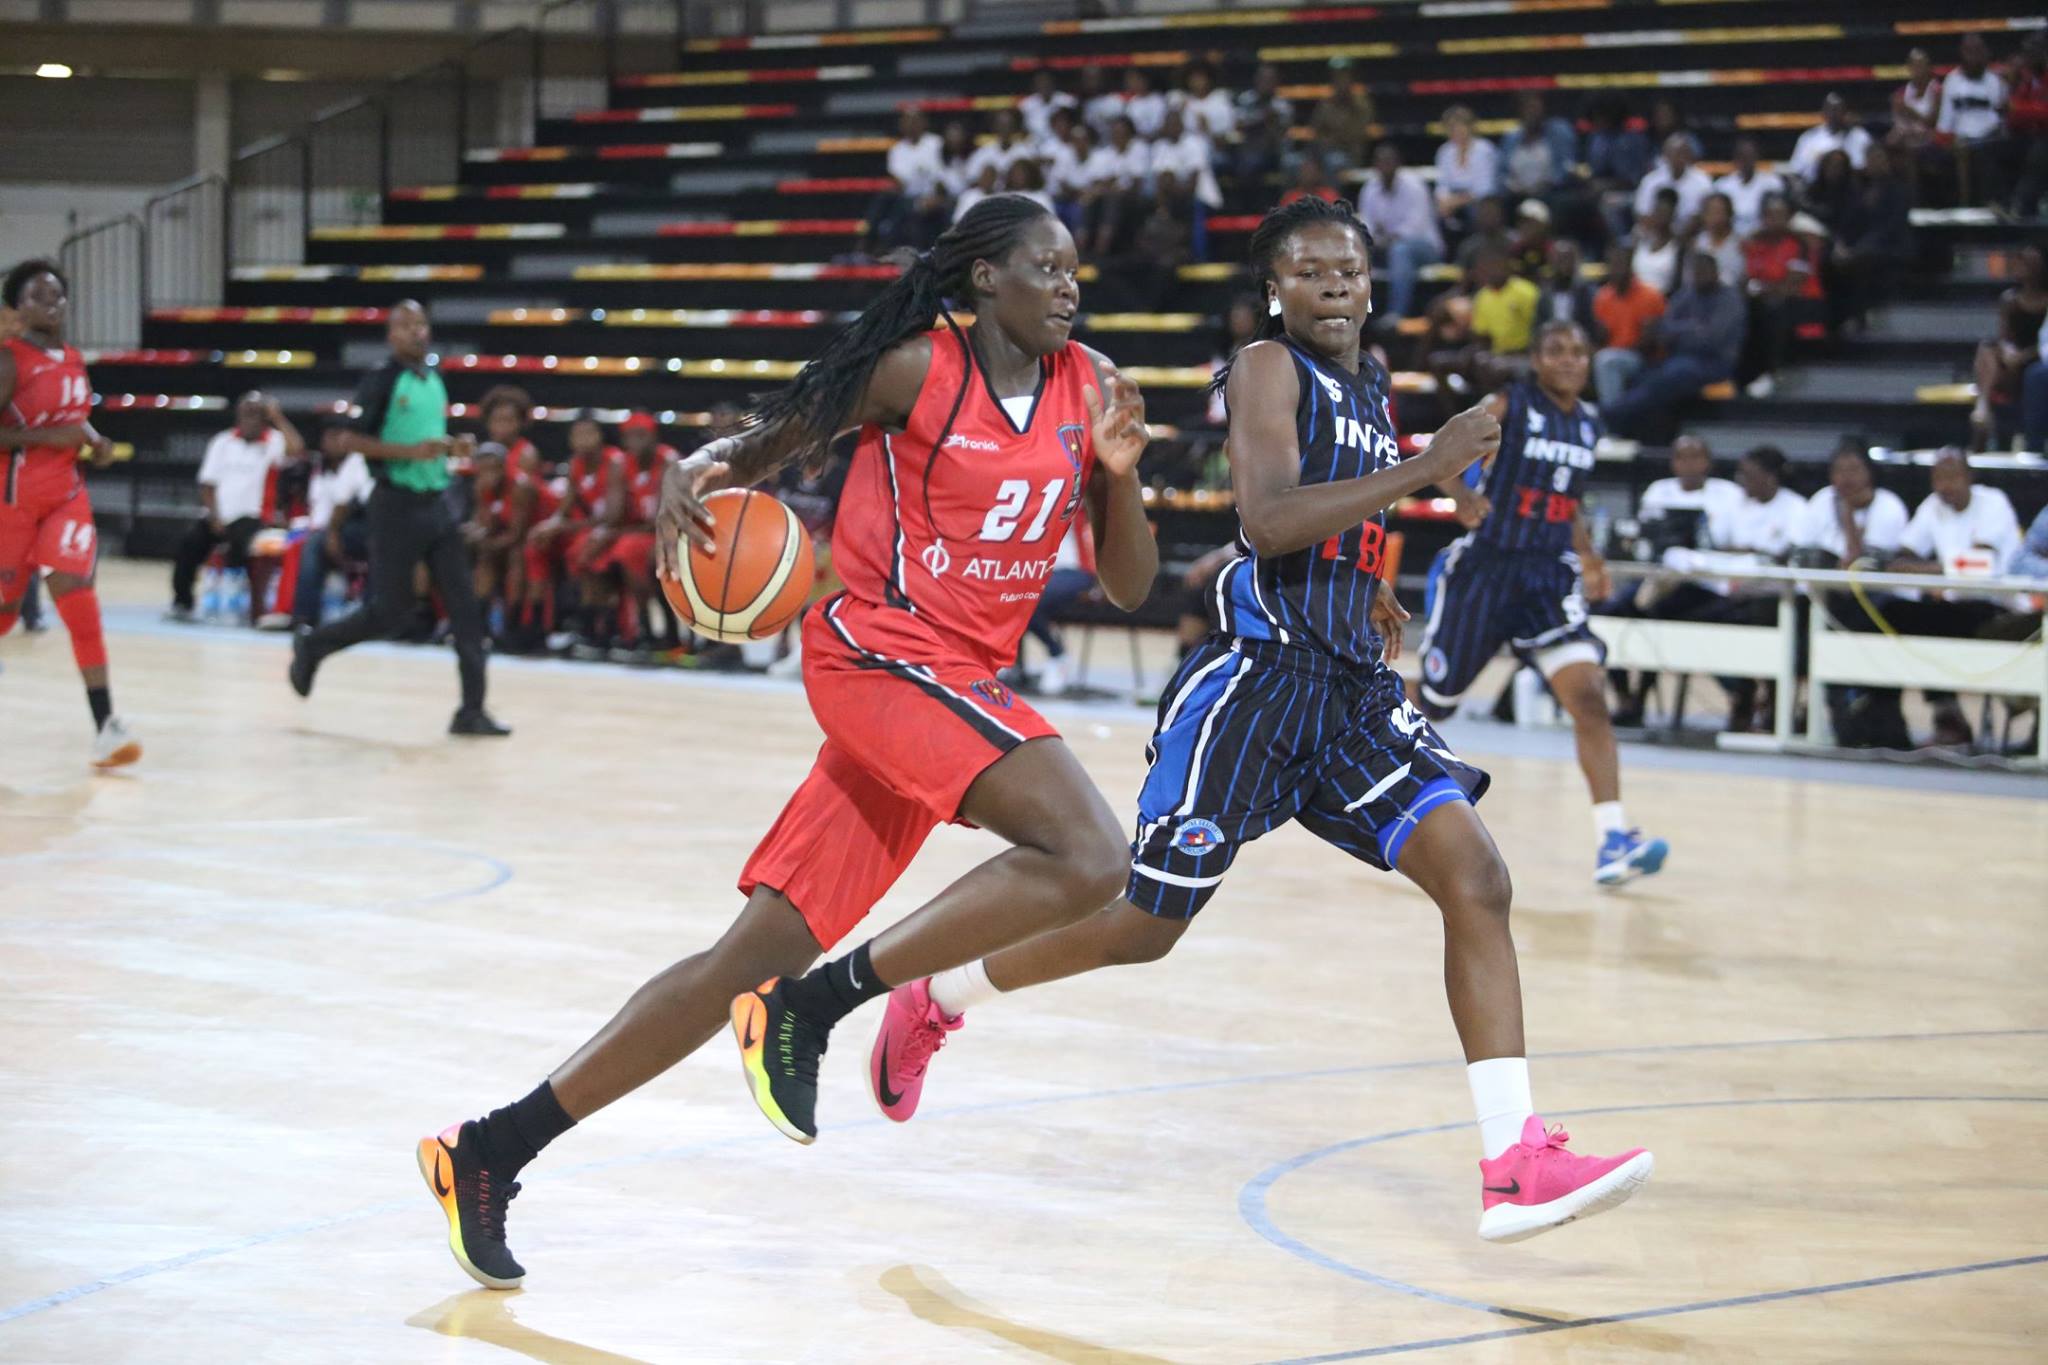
(1608, 818)
(956, 990)
(1500, 1097)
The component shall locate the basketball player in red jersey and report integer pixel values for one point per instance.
(978, 447)
(45, 516)
(626, 563)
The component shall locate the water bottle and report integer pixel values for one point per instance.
(238, 594)
(210, 595)
(1535, 708)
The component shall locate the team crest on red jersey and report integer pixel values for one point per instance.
(993, 692)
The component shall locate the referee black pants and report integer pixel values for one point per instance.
(405, 528)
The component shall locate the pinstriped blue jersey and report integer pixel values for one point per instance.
(1537, 479)
(1320, 598)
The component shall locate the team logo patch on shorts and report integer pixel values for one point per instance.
(1197, 837)
(1435, 665)
(993, 692)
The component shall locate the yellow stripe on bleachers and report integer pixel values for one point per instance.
(1324, 52)
(1143, 322)
(268, 360)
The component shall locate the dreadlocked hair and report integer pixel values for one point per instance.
(18, 278)
(1268, 239)
(816, 403)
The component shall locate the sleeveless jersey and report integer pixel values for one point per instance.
(1537, 479)
(958, 518)
(587, 480)
(546, 500)
(1321, 598)
(643, 487)
(50, 390)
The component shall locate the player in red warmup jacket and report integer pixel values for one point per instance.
(45, 517)
(978, 448)
(625, 566)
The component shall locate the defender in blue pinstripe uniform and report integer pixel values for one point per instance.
(1290, 712)
(1515, 579)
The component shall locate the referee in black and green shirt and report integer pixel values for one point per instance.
(400, 425)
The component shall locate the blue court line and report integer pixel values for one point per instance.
(310, 1226)
(1251, 1205)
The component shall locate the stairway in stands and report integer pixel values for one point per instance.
(689, 242)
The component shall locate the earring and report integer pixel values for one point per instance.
(1368, 307)
(1273, 307)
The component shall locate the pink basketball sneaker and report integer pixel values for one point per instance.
(1537, 1185)
(913, 1028)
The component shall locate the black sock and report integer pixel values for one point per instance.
(102, 704)
(514, 1135)
(835, 990)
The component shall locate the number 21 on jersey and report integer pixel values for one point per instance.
(1007, 515)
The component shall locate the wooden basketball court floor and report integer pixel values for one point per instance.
(239, 982)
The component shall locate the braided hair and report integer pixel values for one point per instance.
(19, 277)
(1268, 240)
(816, 403)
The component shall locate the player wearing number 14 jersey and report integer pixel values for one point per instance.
(45, 516)
(1516, 579)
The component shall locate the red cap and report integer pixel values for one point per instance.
(640, 421)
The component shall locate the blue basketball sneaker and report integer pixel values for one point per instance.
(1625, 855)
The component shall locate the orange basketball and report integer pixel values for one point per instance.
(757, 580)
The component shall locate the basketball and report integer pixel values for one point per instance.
(758, 579)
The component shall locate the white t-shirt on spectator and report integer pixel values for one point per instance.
(953, 176)
(917, 166)
(1693, 187)
(1817, 141)
(1189, 160)
(346, 485)
(1131, 167)
(1882, 524)
(1764, 528)
(1062, 168)
(1146, 113)
(1102, 111)
(239, 471)
(1404, 213)
(1747, 198)
(1972, 107)
(967, 199)
(1927, 103)
(1478, 176)
(1669, 495)
(1103, 165)
(1213, 115)
(1036, 110)
(997, 155)
(1657, 266)
(1940, 533)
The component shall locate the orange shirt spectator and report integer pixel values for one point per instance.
(1625, 312)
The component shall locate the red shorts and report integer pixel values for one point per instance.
(632, 554)
(909, 723)
(54, 532)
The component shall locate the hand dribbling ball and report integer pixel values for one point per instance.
(756, 581)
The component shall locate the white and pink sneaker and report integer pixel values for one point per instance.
(913, 1028)
(1537, 1184)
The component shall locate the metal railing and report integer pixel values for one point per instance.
(109, 273)
(185, 241)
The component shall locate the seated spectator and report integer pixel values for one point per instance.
(1566, 296)
(2032, 559)
(1915, 106)
(1672, 515)
(1766, 519)
(1690, 489)
(233, 479)
(1780, 266)
(1037, 108)
(1675, 171)
(1121, 173)
(1654, 248)
(1449, 350)
(1467, 167)
(1874, 241)
(1539, 153)
(1617, 155)
(1060, 164)
(1852, 520)
(1264, 99)
(1529, 248)
(1310, 179)
(914, 212)
(1145, 108)
(1972, 121)
(1489, 233)
(1834, 133)
(1827, 198)
(1718, 238)
(1203, 108)
(1666, 123)
(1341, 122)
(985, 183)
(494, 548)
(1396, 209)
(1623, 308)
(1100, 106)
(2002, 360)
(505, 411)
(335, 535)
(2026, 120)
(956, 149)
(1503, 305)
(1188, 156)
(1027, 179)
(1261, 150)
(1747, 185)
(1698, 338)
(1003, 151)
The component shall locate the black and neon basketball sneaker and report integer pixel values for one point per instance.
(474, 1202)
(779, 1052)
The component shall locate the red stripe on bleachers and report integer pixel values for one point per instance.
(1234, 222)
(853, 184)
(1479, 85)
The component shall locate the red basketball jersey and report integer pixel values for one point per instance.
(965, 534)
(643, 486)
(50, 390)
(587, 479)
